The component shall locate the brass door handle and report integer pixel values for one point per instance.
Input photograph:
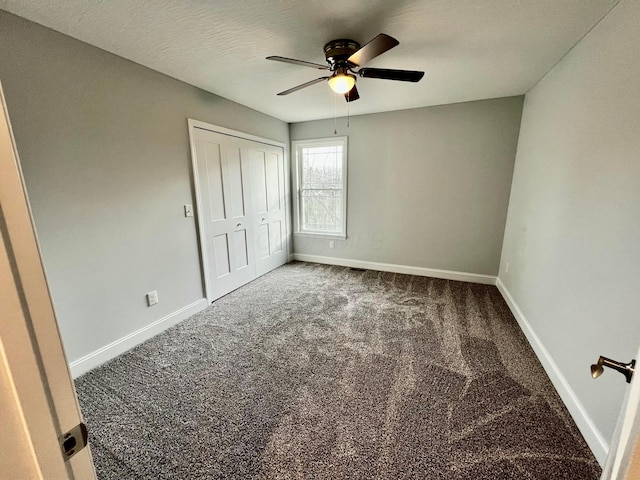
(626, 369)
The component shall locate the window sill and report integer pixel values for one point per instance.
(330, 236)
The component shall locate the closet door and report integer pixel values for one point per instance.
(269, 200)
(226, 228)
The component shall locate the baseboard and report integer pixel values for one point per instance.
(112, 350)
(390, 267)
(590, 432)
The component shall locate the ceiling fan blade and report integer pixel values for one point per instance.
(375, 47)
(352, 95)
(390, 74)
(298, 62)
(304, 85)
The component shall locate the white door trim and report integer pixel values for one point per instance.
(197, 124)
(232, 133)
(626, 435)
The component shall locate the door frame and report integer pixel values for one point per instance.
(623, 458)
(38, 390)
(197, 124)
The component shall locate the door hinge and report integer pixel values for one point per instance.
(73, 441)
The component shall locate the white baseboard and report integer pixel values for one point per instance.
(390, 267)
(590, 432)
(112, 350)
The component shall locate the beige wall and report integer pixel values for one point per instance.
(572, 240)
(105, 152)
(428, 187)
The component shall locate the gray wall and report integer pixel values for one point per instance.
(105, 152)
(428, 187)
(572, 239)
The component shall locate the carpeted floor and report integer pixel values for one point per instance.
(319, 372)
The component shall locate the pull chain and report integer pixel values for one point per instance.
(335, 114)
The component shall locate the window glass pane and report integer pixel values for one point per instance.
(321, 210)
(322, 167)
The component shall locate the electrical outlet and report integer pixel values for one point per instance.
(152, 298)
(332, 244)
(506, 267)
(188, 210)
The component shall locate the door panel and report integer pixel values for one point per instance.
(222, 188)
(273, 183)
(236, 187)
(263, 241)
(221, 255)
(269, 178)
(213, 161)
(276, 235)
(242, 251)
(260, 188)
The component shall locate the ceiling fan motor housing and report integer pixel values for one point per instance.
(337, 51)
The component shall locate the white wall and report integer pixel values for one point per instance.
(105, 151)
(572, 240)
(428, 187)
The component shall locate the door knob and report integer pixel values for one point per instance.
(626, 369)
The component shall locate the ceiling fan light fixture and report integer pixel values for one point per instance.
(342, 82)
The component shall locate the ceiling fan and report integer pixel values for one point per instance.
(345, 59)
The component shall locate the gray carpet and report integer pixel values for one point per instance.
(319, 372)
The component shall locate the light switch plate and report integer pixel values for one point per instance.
(188, 210)
(152, 298)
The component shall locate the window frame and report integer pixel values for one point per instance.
(296, 147)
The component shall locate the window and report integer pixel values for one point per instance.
(321, 175)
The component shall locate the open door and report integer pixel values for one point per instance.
(42, 431)
(623, 462)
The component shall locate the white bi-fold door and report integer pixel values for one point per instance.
(240, 193)
(268, 173)
(226, 224)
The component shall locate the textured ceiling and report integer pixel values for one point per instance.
(469, 49)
